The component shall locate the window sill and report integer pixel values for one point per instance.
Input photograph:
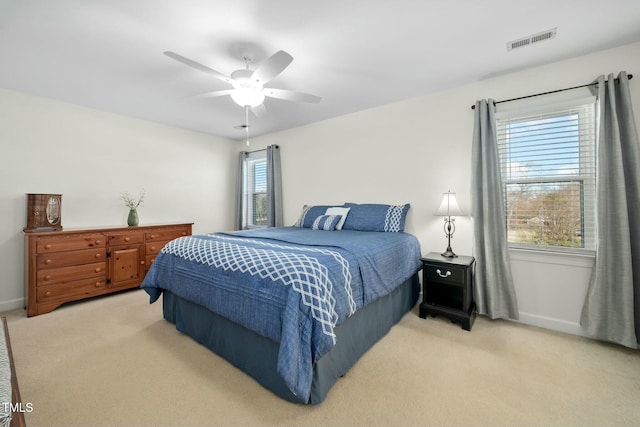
(585, 260)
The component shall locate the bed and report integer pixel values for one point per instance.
(293, 307)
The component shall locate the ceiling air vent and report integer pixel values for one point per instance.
(534, 38)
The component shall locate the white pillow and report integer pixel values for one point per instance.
(338, 211)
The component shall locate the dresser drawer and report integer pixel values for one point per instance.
(149, 260)
(125, 238)
(66, 274)
(154, 248)
(63, 259)
(70, 242)
(445, 274)
(166, 234)
(89, 286)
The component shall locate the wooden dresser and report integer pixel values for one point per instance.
(73, 264)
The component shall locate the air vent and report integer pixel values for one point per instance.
(534, 38)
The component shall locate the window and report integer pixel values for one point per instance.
(255, 190)
(547, 161)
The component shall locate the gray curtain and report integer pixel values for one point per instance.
(612, 308)
(239, 223)
(274, 187)
(494, 292)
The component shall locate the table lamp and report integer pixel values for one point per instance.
(448, 208)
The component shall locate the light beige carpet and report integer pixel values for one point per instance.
(113, 361)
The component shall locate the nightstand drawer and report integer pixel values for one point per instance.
(445, 274)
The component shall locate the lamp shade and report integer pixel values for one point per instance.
(449, 206)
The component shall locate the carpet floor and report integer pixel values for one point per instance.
(114, 361)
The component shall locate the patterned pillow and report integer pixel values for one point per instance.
(376, 217)
(326, 222)
(343, 212)
(309, 214)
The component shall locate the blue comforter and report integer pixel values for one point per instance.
(292, 285)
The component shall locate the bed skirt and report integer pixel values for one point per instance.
(258, 356)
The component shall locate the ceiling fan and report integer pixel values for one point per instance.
(248, 85)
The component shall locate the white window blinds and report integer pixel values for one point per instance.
(255, 189)
(547, 161)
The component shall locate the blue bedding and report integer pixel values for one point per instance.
(292, 285)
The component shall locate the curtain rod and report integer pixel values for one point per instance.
(473, 107)
(262, 149)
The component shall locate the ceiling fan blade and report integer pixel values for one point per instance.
(259, 110)
(290, 95)
(213, 94)
(271, 67)
(198, 66)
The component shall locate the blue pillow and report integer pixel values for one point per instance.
(376, 217)
(326, 222)
(309, 214)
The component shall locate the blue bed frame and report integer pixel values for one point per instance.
(258, 356)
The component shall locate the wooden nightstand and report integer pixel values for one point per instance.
(447, 288)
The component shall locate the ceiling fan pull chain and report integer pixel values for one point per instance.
(246, 127)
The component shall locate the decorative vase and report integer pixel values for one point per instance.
(132, 220)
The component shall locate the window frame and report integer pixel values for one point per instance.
(250, 192)
(558, 105)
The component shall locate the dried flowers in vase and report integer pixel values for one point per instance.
(132, 203)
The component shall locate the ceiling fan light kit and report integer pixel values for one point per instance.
(247, 96)
(248, 85)
(247, 92)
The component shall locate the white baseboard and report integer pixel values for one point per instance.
(559, 325)
(11, 304)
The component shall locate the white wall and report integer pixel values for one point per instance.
(410, 151)
(413, 151)
(92, 157)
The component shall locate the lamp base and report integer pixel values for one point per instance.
(449, 253)
(449, 228)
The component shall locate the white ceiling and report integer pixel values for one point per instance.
(355, 54)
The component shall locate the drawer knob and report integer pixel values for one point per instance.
(153, 236)
(48, 261)
(184, 233)
(126, 239)
(47, 277)
(47, 246)
(98, 242)
(98, 270)
(98, 255)
(47, 294)
(447, 274)
(97, 284)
